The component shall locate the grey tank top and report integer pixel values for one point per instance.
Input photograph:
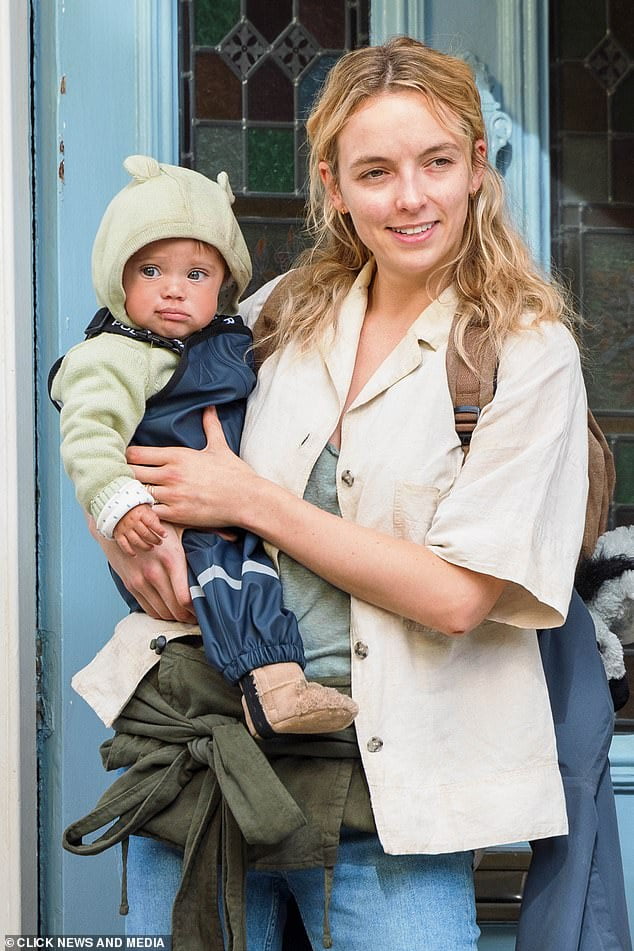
(322, 610)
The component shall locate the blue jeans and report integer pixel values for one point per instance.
(379, 901)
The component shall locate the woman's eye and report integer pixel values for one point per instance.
(441, 162)
(374, 173)
(150, 270)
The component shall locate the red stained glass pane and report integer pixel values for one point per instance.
(269, 18)
(270, 95)
(218, 90)
(326, 21)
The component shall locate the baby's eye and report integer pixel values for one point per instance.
(196, 275)
(150, 270)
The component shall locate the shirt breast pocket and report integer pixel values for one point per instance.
(414, 509)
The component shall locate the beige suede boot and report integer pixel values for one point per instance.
(278, 699)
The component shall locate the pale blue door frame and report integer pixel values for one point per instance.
(105, 81)
(105, 87)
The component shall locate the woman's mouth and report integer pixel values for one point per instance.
(414, 229)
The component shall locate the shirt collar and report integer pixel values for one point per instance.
(429, 331)
(433, 324)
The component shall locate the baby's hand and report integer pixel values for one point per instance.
(140, 529)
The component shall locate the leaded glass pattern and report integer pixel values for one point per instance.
(249, 72)
(592, 136)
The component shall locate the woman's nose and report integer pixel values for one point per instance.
(412, 193)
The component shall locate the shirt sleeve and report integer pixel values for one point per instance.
(517, 508)
(103, 391)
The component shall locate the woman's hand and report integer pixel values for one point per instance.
(198, 488)
(157, 579)
(213, 488)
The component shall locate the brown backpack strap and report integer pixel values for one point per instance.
(267, 318)
(601, 481)
(471, 387)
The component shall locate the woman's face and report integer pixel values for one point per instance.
(405, 179)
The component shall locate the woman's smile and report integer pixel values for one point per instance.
(417, 233)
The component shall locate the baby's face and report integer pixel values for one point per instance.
(171, 286)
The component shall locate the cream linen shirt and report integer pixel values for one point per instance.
(455, 734)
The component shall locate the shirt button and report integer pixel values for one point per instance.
(347, 478)
(361, 650)
(375, 744)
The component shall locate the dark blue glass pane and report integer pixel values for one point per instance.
(311, 84)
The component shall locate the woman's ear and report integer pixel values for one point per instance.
(332, 189)
(479, 158)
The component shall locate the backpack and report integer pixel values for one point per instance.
(471, 388)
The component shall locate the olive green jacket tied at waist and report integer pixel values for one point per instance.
(197, 780)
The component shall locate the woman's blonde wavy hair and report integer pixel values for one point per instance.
(496, 279)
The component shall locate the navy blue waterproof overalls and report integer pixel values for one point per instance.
(235, 589)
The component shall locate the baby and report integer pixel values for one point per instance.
(169, 255)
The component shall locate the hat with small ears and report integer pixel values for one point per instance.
(166, 201)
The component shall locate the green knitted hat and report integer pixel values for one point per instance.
(166, 201)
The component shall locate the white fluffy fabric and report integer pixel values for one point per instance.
(610, 648)
(614, 601)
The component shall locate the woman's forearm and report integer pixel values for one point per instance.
(214, 488)
(395, 574)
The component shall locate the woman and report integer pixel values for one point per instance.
(420, 577)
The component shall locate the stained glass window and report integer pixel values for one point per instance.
(592, 136)
(249, 72)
